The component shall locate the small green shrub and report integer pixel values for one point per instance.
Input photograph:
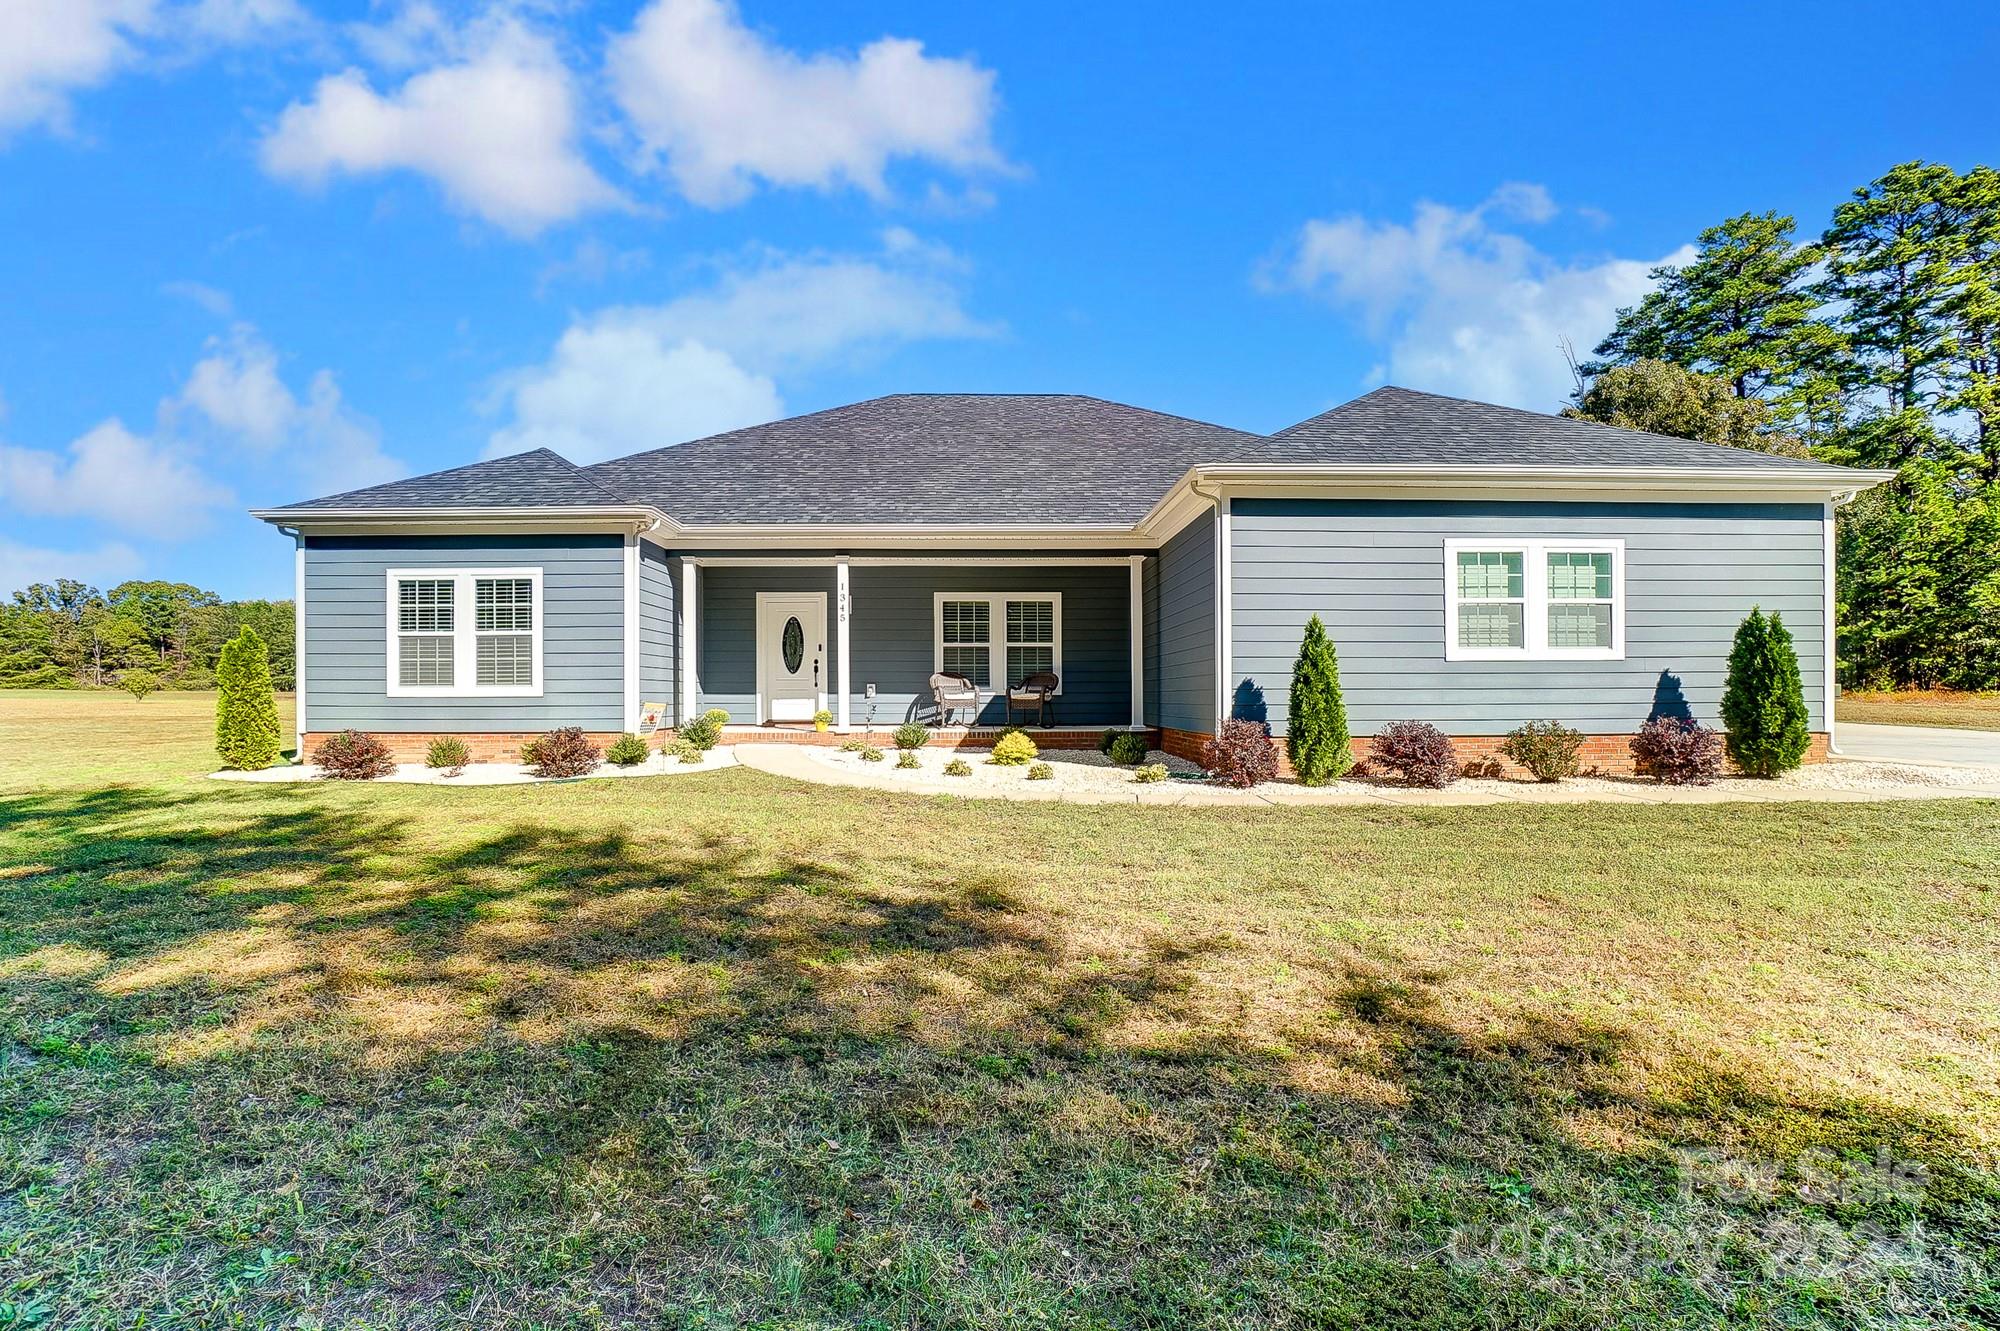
(1040, 772)
(853, 745)
(958, 767)
(448, 754)
(353, 756)
(139, 682)
(907, 758)
(566, 751)
(1547, 749)
(702, 732)
(1128, 750)
(529, 748)
(871, 754)
(1013, 749)
(626, 751)
(1107, 739)
(682, 751)
(1150, 774)
(911, 735)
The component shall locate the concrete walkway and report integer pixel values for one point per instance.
(792, 761)
(1919, 744)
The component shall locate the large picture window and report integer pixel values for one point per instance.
(465, 632)
(998, 639)
(1541, 599)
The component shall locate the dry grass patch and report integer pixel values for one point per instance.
(1922, 707)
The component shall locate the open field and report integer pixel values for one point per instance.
(1925, 707)
(724, 1050)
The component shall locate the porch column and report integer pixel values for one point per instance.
(690, 617)
(840, 600)
(1138, 641)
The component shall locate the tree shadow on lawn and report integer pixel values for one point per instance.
(561, 1076)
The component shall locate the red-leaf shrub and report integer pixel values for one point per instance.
(1678, 751)
(353, 756)
(565, 752)
(1241, 755)
(1419, 753)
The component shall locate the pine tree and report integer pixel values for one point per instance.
(1316, 733)
(1763, 703)
(246, 712)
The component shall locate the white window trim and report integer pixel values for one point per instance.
(1535, 611)
(465, 635)
(996, 633)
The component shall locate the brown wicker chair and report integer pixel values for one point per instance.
(952, 694)
(1037, 691)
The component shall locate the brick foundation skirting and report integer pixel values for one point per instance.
(410, 747)
(1611, 753)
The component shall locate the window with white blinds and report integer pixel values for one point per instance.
(465, 632)
(997, 639)
(1542, 599)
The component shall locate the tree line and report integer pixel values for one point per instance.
(141, 635)
(1874, 344)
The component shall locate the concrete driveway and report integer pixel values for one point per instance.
(1918, 744)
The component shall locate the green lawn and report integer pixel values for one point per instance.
(721, 1050)
(1922, 707)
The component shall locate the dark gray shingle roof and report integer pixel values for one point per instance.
(1013, 459)
(520, 480)
(1401, 427)
(1026, 460)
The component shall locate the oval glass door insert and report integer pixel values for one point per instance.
(794, 645)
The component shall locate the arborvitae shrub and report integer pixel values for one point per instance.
(1764, 704)
(1316, 727)
(1128, 749)
(246, 712)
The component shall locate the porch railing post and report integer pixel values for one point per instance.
(841, 610)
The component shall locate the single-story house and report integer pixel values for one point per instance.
(1477, 567)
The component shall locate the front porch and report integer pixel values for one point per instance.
(941, 737)
(771, 639)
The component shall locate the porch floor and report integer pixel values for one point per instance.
(943, 737)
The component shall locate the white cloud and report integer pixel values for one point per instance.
(496, 126)
(237, 390)
(637, 377)
(137, 484)
(50, 49)
(1461, 305)
(612, 388)
(24, 565)
(722, 108)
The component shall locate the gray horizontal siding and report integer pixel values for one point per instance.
(892, 631)
(1373, 570)
(659, 628)
(1180, 629)
(726, 600)
(583, 653)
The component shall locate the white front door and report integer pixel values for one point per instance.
(791, 654)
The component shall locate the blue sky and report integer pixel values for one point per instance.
(257, 250)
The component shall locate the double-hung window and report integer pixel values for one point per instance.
(1541, 599)
(998, 639)
(465, 632)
